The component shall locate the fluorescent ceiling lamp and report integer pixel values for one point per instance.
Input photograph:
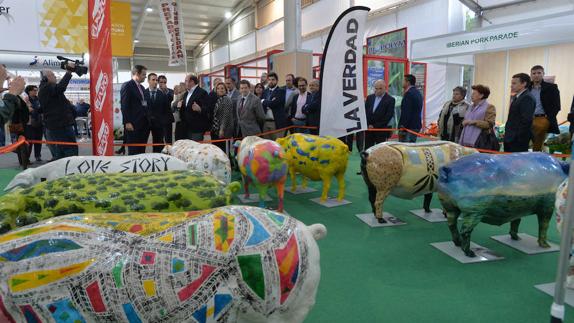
(149, 9)
(227, 15)
(136, 41)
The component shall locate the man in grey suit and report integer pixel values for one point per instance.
(232, 91)
(249, 112)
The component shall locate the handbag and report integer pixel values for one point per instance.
(487, 140)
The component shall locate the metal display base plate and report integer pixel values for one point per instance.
(300, 190)
(435, 216)
(549, 289)
(528, 244)
(370, 220)
(330, 202)
(253, 198)
(482, 254)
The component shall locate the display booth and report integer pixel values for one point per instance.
(500, 51)
(386, 58)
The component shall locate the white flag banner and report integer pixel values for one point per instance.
(342, 102)
(171, 20)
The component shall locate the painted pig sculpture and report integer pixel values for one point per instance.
(406, 170)
(316, 158)
(144, 163)
(497, 189)
(262, 163)
(203, 157)
(114, 193)
(560, 208)
(230, 264)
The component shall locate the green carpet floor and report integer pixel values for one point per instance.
(394, 275)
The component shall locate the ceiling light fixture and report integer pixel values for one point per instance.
(227, 15)
(136, 41)
(149, 9)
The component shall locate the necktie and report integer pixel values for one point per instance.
(241, 106)
(153, 96)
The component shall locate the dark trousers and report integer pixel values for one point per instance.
(34, 133)
(367, 139)
(348, 140)
(139, 136)
(405, 136)
(516, 147)
(180, 132)
(168, 133)
(66, 134)
(220, 144)
(158, 136)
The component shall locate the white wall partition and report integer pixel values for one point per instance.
(269, 36)
(220, 56)
(321, 14)
(202, 63)
(243, 47)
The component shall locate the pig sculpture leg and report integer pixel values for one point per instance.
(246, 181)
(341, 181)
(326, 178)
(544, 215)
(470, 220)
(262, 189)
(426, 203)
(514, 229)
(280, 194)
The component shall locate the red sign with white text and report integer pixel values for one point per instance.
(101, 87)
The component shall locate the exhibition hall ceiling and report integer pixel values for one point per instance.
(200, 18)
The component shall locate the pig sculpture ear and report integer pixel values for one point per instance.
(166, 149)
(237, 143)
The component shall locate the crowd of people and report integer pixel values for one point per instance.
(237, 109)
(230, 110)
(534, 105)
(42, 111)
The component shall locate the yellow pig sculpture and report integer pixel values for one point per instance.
(316, 158)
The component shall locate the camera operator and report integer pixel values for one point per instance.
(58, 112)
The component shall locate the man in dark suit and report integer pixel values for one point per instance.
(298, 101)
(195, 109)
(160, 112)
(520, 114)
(518, 129)
(135, 111)
(168, 126)
(380, 109)
(411, 109)
(547, 98)
(274, 107)
(313, 109)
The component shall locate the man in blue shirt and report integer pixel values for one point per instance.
(411, 109)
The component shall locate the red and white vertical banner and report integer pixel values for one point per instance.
(171, 21)
(101, 87)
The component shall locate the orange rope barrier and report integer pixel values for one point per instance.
(23, 140)
(10, 148)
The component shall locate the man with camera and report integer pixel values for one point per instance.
(58, 112)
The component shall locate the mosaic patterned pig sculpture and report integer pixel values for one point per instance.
(114, 193)
(230, 264)
(497, 189)
(144, 163)
(560, 208)
(203, 157)
(262, 163)
(406, 170)
(316, 158)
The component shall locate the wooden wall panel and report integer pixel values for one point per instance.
(490, 69)
(561, 65)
